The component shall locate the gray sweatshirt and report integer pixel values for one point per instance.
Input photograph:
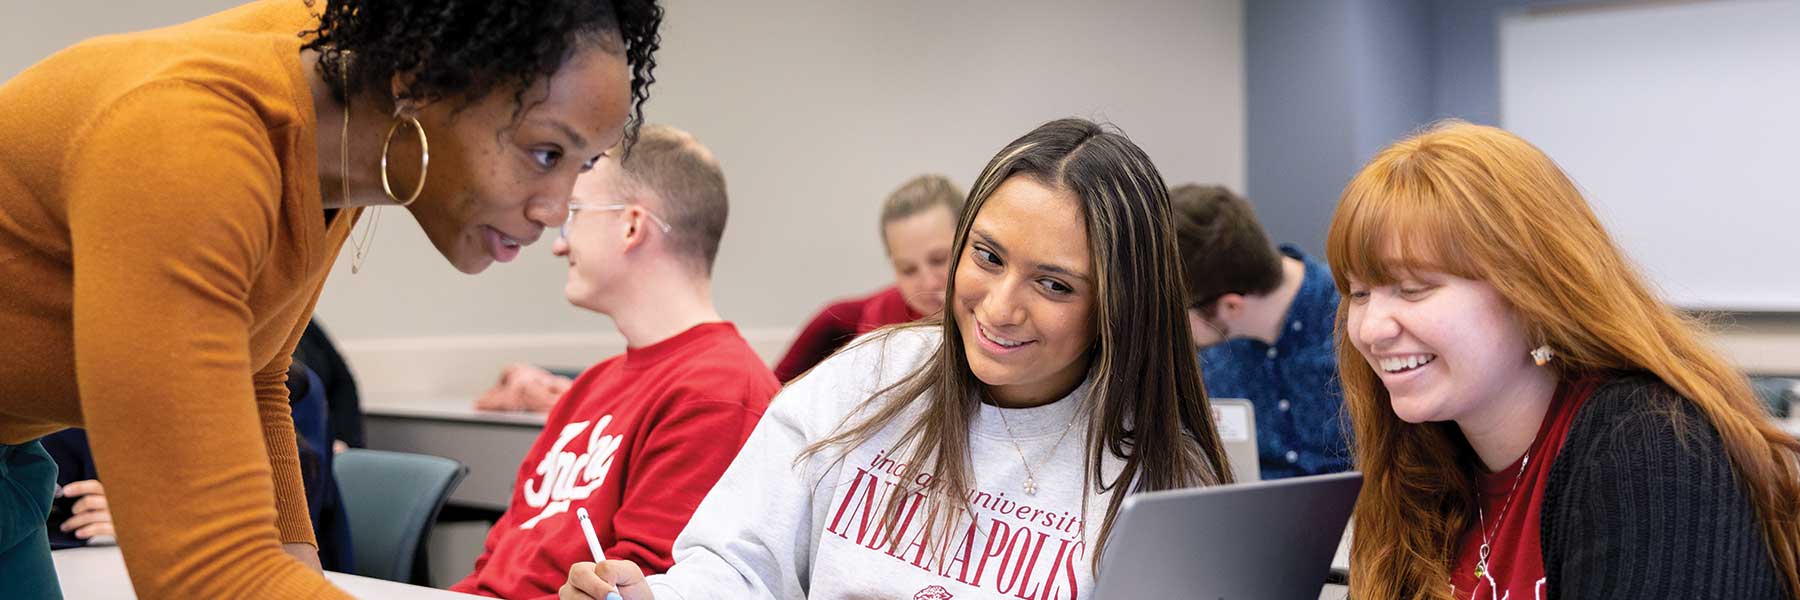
(772, 528)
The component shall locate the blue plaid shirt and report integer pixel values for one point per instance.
(1293, 384)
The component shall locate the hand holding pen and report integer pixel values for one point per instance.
(603, 579)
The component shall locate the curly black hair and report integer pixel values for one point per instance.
(465, 49)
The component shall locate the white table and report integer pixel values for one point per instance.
(492, 444)
(98, 573)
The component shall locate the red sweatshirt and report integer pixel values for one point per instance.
(839, 323)
(638, 440)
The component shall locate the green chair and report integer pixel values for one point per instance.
(392, 499)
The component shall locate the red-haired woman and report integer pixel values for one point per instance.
(1529, 417)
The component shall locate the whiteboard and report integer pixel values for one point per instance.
(1681, 123)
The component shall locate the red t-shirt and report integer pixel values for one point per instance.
(1515, 562)
(639, 440)
(839, 323)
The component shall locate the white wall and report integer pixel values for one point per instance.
(31, 30)
(817, 110)
(1678, 120)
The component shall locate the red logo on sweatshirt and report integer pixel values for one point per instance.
(1034, 553)
(933, 592)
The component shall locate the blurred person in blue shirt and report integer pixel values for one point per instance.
(1262, 319)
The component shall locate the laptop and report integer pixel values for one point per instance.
(1269, 540)
(1235, 418)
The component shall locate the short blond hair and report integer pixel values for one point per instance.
(680, 171)
(917, 195)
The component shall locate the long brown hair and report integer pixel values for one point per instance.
(1481, 203)
(1145, 406)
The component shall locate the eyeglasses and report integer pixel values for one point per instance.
(574, 207)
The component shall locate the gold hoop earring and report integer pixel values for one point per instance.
(387, 144)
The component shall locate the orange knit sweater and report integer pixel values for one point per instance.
(162, 243)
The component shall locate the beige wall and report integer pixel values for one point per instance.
(1760, 343)
(817, 110)
(31, 30)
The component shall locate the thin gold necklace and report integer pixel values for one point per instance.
(1481, 563)
(360, 247)
(1030, 476)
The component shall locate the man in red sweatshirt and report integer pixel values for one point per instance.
(639, 438)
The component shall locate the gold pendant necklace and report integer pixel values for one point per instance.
(1031, 485)
(1481, 561)
(359, 248)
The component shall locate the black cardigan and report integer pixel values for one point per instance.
(1642, 503)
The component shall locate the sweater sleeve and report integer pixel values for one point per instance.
(293, 518)
(171, 210)
(754, 535)
(503, 527)
(1642, 503)
(677, 464)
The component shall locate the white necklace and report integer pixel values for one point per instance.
(1481, 563)
(1030, 476)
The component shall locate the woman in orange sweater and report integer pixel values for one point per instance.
(171, 200)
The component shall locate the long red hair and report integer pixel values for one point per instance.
(1481, 203)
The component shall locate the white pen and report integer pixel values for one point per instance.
(587, 530)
